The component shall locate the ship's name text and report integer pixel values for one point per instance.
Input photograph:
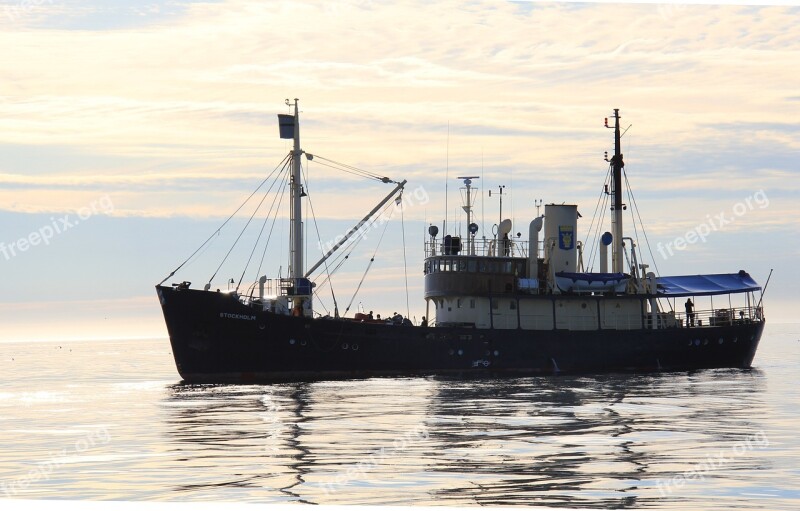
(228, 315)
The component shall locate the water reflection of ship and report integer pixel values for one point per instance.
(591, 442)
(239, 428)
(588, 442)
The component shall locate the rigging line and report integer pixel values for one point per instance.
(364, 276)
(362, 229)
(247, 224)
(321, 303)
(594, 215)
(633, 218)
(644, 232)
(319, 238)
(405, 263)
(351, 167)
(348, 171)
(272, 227)
(261, 232)
(348, 249)
(371, 260)
(589, 231)
(353, 170)
(602, 200)
(605, 208)
(282, 164)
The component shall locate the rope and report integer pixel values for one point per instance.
(319, 238)
(644, 232)
(261, 232)
(272, 227)
(364, 276)
(348, 248)
(352, 170)
(405, 264)
(216, 232)
(602, 200)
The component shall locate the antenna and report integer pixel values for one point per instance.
(446, 176)
(501, 202)
(467, 207)
(483, 217)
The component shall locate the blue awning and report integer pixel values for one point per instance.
(699, 285)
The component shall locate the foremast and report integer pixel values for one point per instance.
(296, 192)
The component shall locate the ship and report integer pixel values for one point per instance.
(496, 306)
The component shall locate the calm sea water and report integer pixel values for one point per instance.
(110, 420)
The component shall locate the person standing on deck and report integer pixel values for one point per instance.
(689, 313)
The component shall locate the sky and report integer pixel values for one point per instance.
(129, 131)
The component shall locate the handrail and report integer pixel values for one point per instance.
(721, 316)
(484, 247)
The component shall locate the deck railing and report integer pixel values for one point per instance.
(720, 317)
(483, 247)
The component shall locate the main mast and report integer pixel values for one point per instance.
(296, 189)
(617, 254)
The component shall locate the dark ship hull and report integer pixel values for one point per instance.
(216, 338)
